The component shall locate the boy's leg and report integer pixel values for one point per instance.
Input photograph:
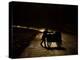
(49, 44)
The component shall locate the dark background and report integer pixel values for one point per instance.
(55, 16)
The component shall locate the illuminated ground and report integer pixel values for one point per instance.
(36, 50)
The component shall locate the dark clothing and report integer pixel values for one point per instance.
(43, 38)
(44, 35)
(58, 37)
(51, 38)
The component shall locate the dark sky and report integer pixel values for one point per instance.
(62, 17)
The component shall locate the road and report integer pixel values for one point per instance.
(69, 42)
